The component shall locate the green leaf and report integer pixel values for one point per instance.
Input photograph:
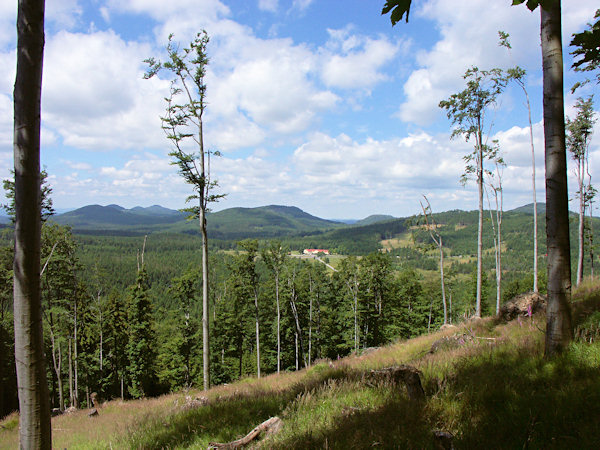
(398, 9)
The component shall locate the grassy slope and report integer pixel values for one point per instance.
(496, 391)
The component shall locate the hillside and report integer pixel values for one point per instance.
(374, 218)
(232, 223)
(486, 385)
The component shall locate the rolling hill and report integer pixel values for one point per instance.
(230, 224)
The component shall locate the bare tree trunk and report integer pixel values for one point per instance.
(580, 229)
(57, 365)
(559, 330)
(257, 334)
(71, 393)
(591, 239)
(76, 360)
(480, 222)
(535, 216)
(278, 322)
(442, 281)
(355, 322)
(310, 308)
(437, 238)
(205, 312)
(34, 406)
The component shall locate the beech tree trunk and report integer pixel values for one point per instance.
(278, 322)
(257, 333)
(580, 230)
(34, 406)
(559, 330)
(480, 221)
(535, 226)
(205, 311)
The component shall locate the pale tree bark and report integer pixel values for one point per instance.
(205, 311)
(34, 406)
(480, 217)
(310, 314)
(535, 214)
(257, 332)
(278, 321)
(437, 239)
(580, 171)
(57, 364)
(559, 331)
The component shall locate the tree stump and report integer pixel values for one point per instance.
(405, 374)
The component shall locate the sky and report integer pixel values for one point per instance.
(314, 105)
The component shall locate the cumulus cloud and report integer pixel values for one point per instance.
(353, 61)
(94, 96)
(468, 32)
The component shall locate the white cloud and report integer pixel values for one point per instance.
(267, 82)
(63, 13)
(469, 36)
(352, 61)
(94, 96)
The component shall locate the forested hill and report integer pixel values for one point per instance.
(229, 224)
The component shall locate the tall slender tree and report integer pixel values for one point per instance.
(467, 111)
(184, 122)
(578, 137)
(34, 430)
(518, 74)
(274, 256)
(436, 237)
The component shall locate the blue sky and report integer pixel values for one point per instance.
(313, 103)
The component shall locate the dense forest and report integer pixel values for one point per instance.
(123, 313)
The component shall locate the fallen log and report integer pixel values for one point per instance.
(272, 425)
(406, 374)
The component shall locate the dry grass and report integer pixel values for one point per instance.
(494, 390)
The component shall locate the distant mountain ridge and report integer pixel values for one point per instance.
(232, 223)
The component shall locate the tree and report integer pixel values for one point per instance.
(60, 300)
(467, 111)
(245, 272)
(184, 290)
(184, 122)
(495, 184)
(587, 45)
(578, 137)
(274, 256)
(518, 74)
(559, 330)
(46, 207)
(437, 239)
(141, 344)
(349, 272)
(35, 429)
